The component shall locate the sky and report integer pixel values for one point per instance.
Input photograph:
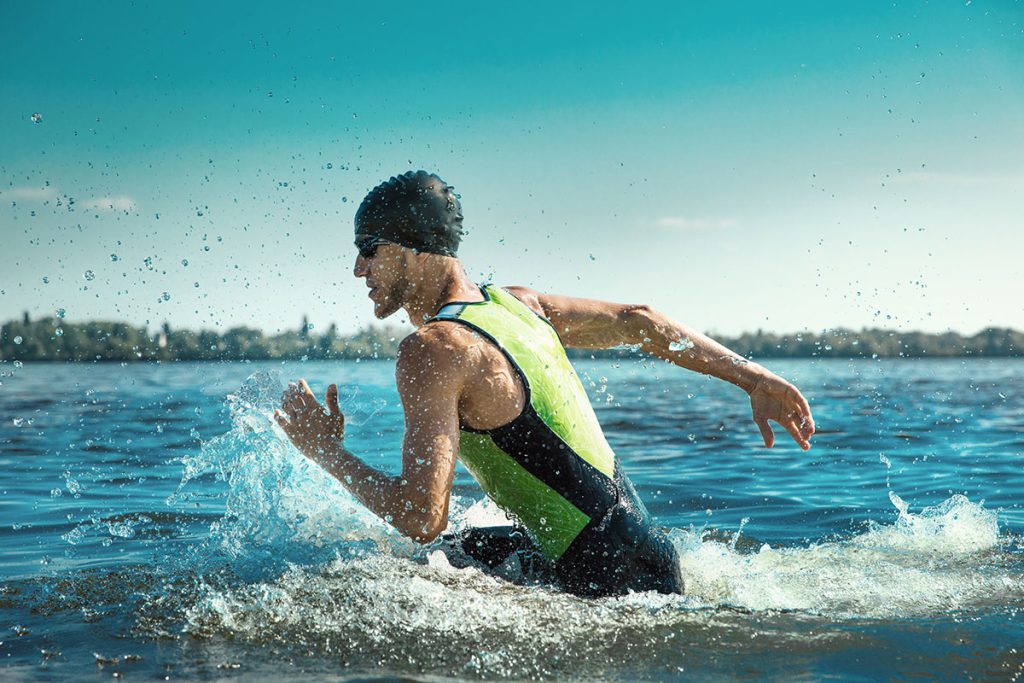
(736, 165)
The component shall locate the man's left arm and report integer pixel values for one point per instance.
(594, 324)
(416, 502)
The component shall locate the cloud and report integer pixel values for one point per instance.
(682, 223)
(28, 193)
(122, 203)
(956, 179)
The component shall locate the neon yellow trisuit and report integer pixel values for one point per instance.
(551, 468)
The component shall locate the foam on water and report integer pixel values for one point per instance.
(944, 558)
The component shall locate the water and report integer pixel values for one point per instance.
(153, 523)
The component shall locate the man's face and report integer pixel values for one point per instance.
(385, 273)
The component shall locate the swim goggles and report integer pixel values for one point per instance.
(367, 245)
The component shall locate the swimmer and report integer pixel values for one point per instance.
(484, 378)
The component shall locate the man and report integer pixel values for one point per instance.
(484, 377)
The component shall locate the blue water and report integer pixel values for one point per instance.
(154, 523)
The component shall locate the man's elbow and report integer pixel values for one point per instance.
(637, 320)
(423, 528)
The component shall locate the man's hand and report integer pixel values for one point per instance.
(312, 429)
(773, 398)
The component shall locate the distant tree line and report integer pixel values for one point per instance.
(58, 339)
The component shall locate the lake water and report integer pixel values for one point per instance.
(153, 523)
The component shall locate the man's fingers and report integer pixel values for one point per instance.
(294, 394)
(306, 392)
(332, 401)
(794, 431)
(282, 421)
(766, 433)
(807, 425)
(291, 405)
(806, 421)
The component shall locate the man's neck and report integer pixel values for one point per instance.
(452, 284)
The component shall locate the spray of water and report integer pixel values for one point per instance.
(291, 522)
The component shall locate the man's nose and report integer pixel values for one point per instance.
(361, 269)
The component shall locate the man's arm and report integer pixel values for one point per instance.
(593, 324)
(429, 384)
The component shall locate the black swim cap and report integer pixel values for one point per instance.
(416, 210)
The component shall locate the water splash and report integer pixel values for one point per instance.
(284, 517)
(928, 563)
(279, 507)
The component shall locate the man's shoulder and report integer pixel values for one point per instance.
(437, 341)
(433, 357)
(530, 297)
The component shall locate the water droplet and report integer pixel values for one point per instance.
(18, 339)
(61, 312)
(18, 364)
(165, 296)
(329, 165)
(114, 257)
(899, 503)
(18, 421)
(344, 200)
(46, 280)
(89, 275)
(36, 118)
(680, 345)
(184, 262)
(59, 331)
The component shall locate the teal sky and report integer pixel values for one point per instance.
(781, 166)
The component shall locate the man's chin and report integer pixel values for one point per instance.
(381, 312)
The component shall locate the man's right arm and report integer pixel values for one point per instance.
(429, 379)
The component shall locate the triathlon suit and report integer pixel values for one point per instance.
(552, 471)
